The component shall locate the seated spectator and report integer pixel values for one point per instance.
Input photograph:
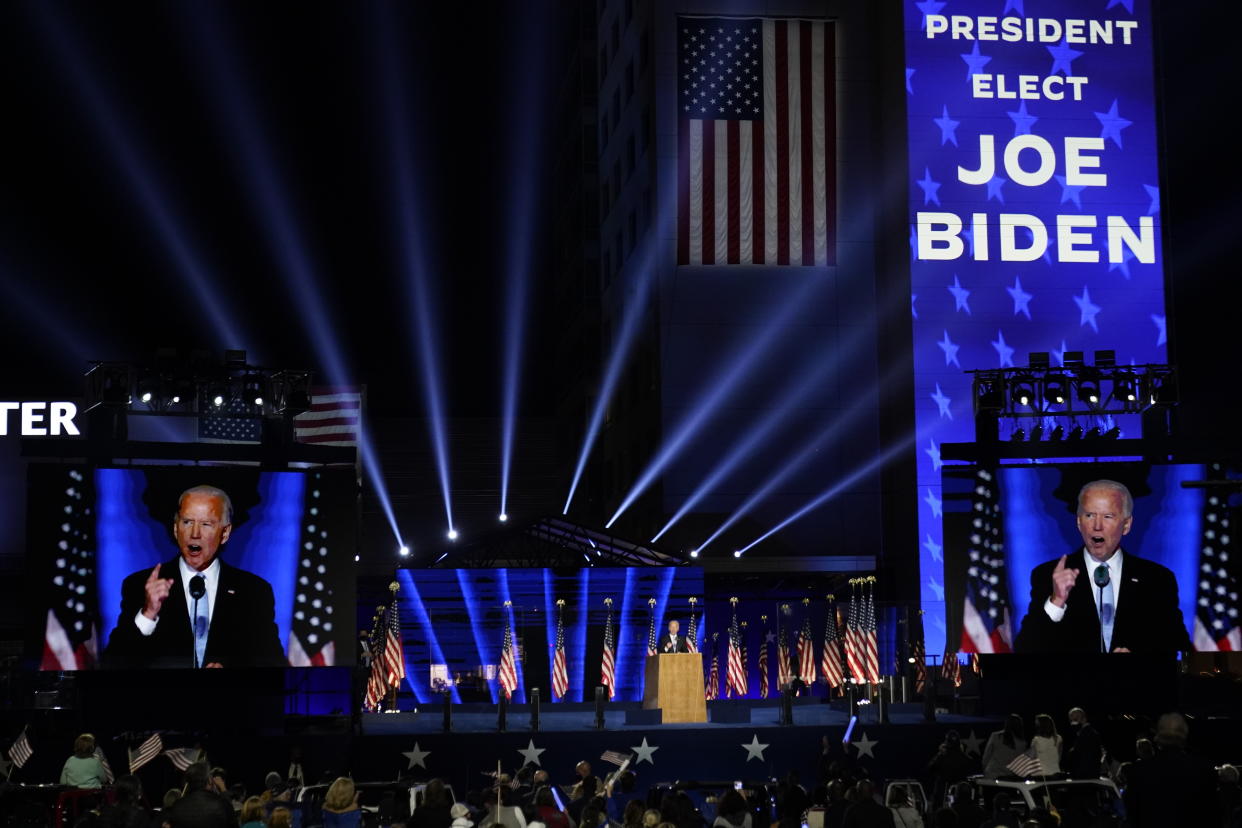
(202, 805)
(461, 816)
(904, 814)
(732, 811)
(83, 769)
(340, 805)
(281, 818)
(435, 811)
(252, 813)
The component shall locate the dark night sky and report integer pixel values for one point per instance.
(77, 248)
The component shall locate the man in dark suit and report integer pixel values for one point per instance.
(673, 643)
(1084, 755)
(1102, 598)
(196, 610)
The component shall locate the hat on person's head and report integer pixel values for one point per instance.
(458, 811)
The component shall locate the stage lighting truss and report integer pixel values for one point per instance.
(229, 389)
(1039, 392)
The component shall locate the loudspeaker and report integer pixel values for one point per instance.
(654, 716)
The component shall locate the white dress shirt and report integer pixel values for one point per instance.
(211, 578)
(1114, 573)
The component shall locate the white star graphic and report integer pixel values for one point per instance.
(754, 750)
(417, 757)
(950, 350)
(865, 746)
(1021, 299)
(942, 402)
(961, 296)
(531, 754)
(934, 548)
(933, 451)
(1003, 350)
(644, 752)
(936, 588)
(934, 502)
(973, 744)
(1087, 310)
(770, 638)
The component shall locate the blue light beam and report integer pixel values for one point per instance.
(716, 390)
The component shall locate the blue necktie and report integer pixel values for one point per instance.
(200, 621)
(1107, 613)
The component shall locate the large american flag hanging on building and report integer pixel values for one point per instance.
(735, 677)
(1216, 604)
(833, 668)
(333, 419)
(986, 626)
(756, 157)
(69, 637)
(508, 661)
(608, 661)
(806, 648)
(560, 672)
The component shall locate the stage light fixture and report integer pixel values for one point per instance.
(1105, 359)
(404, 551)
(176, 399)
(694, 553)
(503, 517)
(1089, 391)
(1023, 392)
(1055, 391)
(737, 553)
(1037, 434)
(217, 400)
(1076, 433)
(1058, 434)
(1038, 359)
(1126, 387)
(1113, 433)
(1093, 433)
(146, 397)
(452, 534)
(1018, 436)
(1072, 359)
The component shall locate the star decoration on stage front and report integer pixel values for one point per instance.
(865, 746)
(972, 744)
(417, 757)
(644, 752)
(531, 753)
(754, 750)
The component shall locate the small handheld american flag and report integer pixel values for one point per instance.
(1026, 766)
(22, 750)
(145, 752)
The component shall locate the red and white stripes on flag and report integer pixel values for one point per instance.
(735, 677)
(108, 776)
(333, 419)
(951, 669)
(763, 666)
(869, 640)
(508, 661)
(608, 661)
(560, 672)
(692, 635)
(784, 671)
(145, 752)
(713, 678)
(21, 750)
(651, 634)
(375, 682)
(756, 172)
(1026, 766)
(182, 758)
(853, 639)
(806, 651)
(394, 649)
(833, 668)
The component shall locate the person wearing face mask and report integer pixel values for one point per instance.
(195, 610)
(1102, 598)
(1086, 752)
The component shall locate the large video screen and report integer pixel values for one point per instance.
(190, 566)
(1009, 528)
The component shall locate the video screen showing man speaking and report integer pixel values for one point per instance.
(191, 567)
(1098, 557)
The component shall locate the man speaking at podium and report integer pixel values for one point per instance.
(673, 643)
(1102, 598)
(196, 610)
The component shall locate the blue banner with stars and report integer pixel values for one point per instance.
(1034, 209)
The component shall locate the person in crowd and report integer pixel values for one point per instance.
(281, 817)
(584, 792)
(1003, 813)
(632, 817)
(945, 818)
(905, 815)
(1174, 787)
(1228, 796)
(546, 810)
(252, 813)
(732, 811)
(835, 807)
(1046, 744)
(505, 814)
(965, 811)
(1085, 755)
(461, 816)
(1144, 750)
(340, 805)
(126, 811)
(867, 812)
(83, 769)
(949, 766)
(435, 811)
(274, 790)
(170, 798)
(201, 805)
(1003, 746)
(651, 818)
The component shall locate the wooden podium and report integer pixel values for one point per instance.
(674, 684)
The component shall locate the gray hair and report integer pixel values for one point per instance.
(1127, 500)
(210, 491)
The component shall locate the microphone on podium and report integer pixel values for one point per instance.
(1102, 578)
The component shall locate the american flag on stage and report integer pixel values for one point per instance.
(763, 664)
(334, 417)
(109, 777)
(508, 661)
(713, 678)
(651, 634)
(145, 752)
(70, 640)
(182, 758)
(394, 650)
(784, 669)
(918, 653)
(985, 618)
(834, 671)
(869, 640)
(21, 750)
(806, 650)
(560, 672)
(951, 669)
(1216, 605)
(375, 681)
(853, 638)
(692, 635)
(608, 661)
(735, 677)
(756, 152)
